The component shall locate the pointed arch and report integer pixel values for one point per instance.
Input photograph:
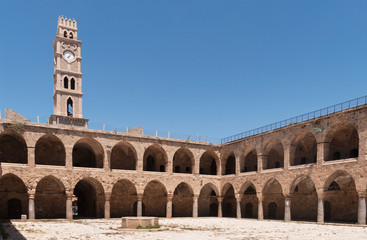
(88, 152)
(155, 159)
(183, 161)
(228, 163)
(72, 84)
(229, 204)
(274, 153)
(50, 150)
(273, 200)
(69, 107)
(13, 147)
(209, 163)
(66, 82)
(248, 159)
(123, 156)
(303, 149)
(208, 202)
(123, 199)
(249, 201)
(182, 200)
(50, 198)
(155, 199)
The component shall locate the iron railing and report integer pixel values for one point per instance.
(301, 118)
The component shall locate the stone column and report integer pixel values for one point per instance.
(169, 206)
(69, 206)
(195, 206)
(320, 207)
(362, 208)
(260, 212)
(31, 210)
(238, 209)
(220, 200)
(139, 207)
(287, 209)
(107, 206)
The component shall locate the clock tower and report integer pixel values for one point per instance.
(67, 76)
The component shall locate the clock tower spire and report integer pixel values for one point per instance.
(67, 76)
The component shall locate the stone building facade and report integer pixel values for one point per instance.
(314, 170)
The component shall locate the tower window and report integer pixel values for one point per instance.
(72, 84)
(69, 107)
(65, 34)
(71, 35)
(66, 82)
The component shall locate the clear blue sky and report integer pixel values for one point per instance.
(208, 67)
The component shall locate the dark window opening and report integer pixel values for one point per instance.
(303, 160)
(177, 169)
(65, 34)
(334, 186)
(66, 82)
(72, 84)
(71, 35)
(213, 168)
(70, 107)
(248, 210)
(336, 155)
(296, 189)
(272, 210)
(327, 211)
(150, 163)
(162, 168)
(277, 164)
(353, 153)
(188, 169)
(213, 193)
(250, 190)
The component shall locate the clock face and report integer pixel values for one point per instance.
(69, 56)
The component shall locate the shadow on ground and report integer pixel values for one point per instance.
(9, 232)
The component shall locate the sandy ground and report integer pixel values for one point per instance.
(182, 228)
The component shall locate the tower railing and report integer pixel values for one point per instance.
(301, 118)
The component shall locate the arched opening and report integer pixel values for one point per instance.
(183, 161)
(229, 163)
(273, 200)
(50, 198)
(155, 159)
(50, 150)
(13, 197)
(229, 201)
(182, 201)
(71, 35)
(208, 202)
(249, 202)
(66, 82)
(65, 34)
(155, 199)
(89, 199)
(275, 155)
(249, 162)
(303, 199)
(72, 84)
(13, 148)
(303, 149)
(69, 107)
(87, 152)
(341, 142)
(123, 198)
(208, 163)
(341, 195)
(123, 156)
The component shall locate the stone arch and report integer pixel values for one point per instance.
(303, 199)
(249, 201)
(209, 163)
(248, 159)
(13, 148)
(13, 197)
(341, 197)
(123, 199)
(155, 199)
(341, 142)
(50, 150)
(123, 156)
(89, 198)
(303, 149)
(274, 154)
(182, 200)
(229, 204)
(208, 202)
(155, 159)
(88, 152)
(183, 161)
(50, 198)
(273, 200)
(228, 163)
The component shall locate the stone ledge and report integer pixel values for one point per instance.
(134, 222)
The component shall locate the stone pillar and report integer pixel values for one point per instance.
(320, 153)
(107, 160)
(69, 206)
(238, 209)
(220, 200)
(31, 210)
(262, 163)
(139, 207)
(68, 157)
(287, 209)
(287, 157)
(237, 164)
(260, 212)
(169, 206)
(320, 207)
(362, 209)
(31, 156)
(107, 206)
(195, 206)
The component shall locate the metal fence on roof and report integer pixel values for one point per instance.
(301, 118)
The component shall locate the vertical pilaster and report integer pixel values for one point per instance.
(195, 206)
(320, 206)
(220, 200)
(238, 209)
(287, 209)
(31, 210)
(169, 206)
(69, 157)
(107, 161)
(362, 208)
(139, 207)
(69, 206)
(260, 212)
(107, 206)
(287, 158)
(320, 153)
(31, 157)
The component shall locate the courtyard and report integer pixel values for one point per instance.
(181, 228)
